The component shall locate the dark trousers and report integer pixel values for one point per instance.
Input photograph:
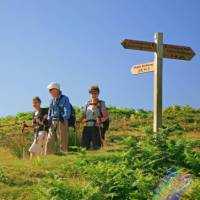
(103, 132)
(91, 134)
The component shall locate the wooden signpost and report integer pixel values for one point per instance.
(160, 51)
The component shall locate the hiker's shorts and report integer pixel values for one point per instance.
(38, 146)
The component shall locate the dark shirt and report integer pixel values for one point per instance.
(40, 115)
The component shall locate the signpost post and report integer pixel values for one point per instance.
(158, 61)
(160, 51)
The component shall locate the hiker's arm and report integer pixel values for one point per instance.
(25, 125)
(104, 112)
(45, 121)
(66, 110)
(82, 118)
(49, 113)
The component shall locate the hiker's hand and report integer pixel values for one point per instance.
(98, 120)
(45, 117)
(77, 124)
(49, 122)
(61, 119)
(24, 125)
(38, 121)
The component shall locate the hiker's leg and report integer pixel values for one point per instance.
(50, 141)
(42, 135)
(85, 138)
(103, 132)
(34, 149)
(96, 137)
(63, 129)
(90, 135)
(32, 155)
(44, 141)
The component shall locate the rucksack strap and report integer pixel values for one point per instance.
(57, 101)
(98, 106)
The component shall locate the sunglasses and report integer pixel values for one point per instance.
(94, 93)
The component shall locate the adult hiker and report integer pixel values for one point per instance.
(94, 115)
(59, 113)
(40, 125)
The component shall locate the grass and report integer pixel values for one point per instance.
(55, 177)
(23, 176)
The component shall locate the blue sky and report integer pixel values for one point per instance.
(77, 43)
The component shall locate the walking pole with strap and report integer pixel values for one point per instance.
(43, 135)
(75, 131)
(101, 139)
(43, 139)
(100, 135)
(99, 125)
(24, 125)
(36, 134)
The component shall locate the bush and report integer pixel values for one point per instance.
(58, 190)
(139, 167)
(3, 177)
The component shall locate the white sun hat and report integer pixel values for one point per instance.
(53, 85)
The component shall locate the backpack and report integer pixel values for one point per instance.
(105, 123)
(72, 118)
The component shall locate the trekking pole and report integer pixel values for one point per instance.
(75, 131)
(43, 134)
(100, 134)
(24, 125)
(54, 128)
(43, 139)
(23, 148)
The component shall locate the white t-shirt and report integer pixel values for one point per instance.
(93, 112)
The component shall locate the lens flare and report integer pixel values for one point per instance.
(173, 185)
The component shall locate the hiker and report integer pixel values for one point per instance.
(94, 116)
(39, 124)
(58, 116)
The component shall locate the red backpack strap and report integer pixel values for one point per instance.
(99, 106)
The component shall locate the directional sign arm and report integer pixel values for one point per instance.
(142, 68)
(169, 50)
(139, 45)
(178, 52)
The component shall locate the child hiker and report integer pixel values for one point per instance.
(40, 125)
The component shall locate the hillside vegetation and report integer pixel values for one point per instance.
(129, 167)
